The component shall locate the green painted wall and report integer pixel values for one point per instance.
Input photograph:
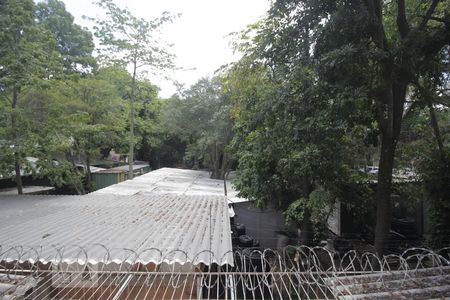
(102, 180)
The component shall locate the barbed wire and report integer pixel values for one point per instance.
(299, 272)
(292, 258)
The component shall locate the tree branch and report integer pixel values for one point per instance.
(432, 46)
(402, 23)
(439, 20)
(410, 109)
(378, 35)
(430, 12)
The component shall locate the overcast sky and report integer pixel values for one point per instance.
(199, 35)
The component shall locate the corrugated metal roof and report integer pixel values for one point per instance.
(180, 226)
(27, 189)
(94, 169)
(125, 168)
(177, 181)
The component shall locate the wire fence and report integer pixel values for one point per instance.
(291, 273)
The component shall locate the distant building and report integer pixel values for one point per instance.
(106, 177)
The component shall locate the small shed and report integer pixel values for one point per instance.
(106, 177)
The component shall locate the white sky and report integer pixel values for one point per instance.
(199, 35)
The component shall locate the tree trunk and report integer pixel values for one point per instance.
(224, 167)
(77, 185)
(131, 153)
(306, 226)
(306, 233)
(17, 171)
(80, 188)
(383, 195)
(15, 142)
(390, 108)
(398, 68)
(428, 99)
(216, 162)
(88, 173)
(225, 185)
(435, 126)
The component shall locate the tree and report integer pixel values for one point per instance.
(294, 135)
(99, 116)
(49, 135)
(394, 44)
(202, 119)
(71, 122)
(388, 44)
(73, 42)
(291, 146)
(424, 145)
(27, 57)
(128, 40)
(431, 160)
(363, 56)
(148, 123)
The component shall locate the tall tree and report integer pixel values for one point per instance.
(379, 48)
(292, 131)
(148, 126)
(73, 42)
(27, 57)
(128, 40)
(202, 118)
(99, 119)
(292, 147)
(425, 145)
(401, 41)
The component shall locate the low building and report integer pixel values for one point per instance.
(111, 233)
(266, 226)
(105, 177)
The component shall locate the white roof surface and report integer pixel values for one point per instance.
(176, 181)
(28, 189)
(183, 228)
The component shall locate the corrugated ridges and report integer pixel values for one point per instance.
(168, 222)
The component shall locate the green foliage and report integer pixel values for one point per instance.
(420, 151)
(319, 204)
(126, 39)
(27, 57)
(149, 128)
(202, 119)
(435, 174)
(65, 120)
(76, 118)
(293, 148)
(27, 54)
(361, 59)
(73, 42)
